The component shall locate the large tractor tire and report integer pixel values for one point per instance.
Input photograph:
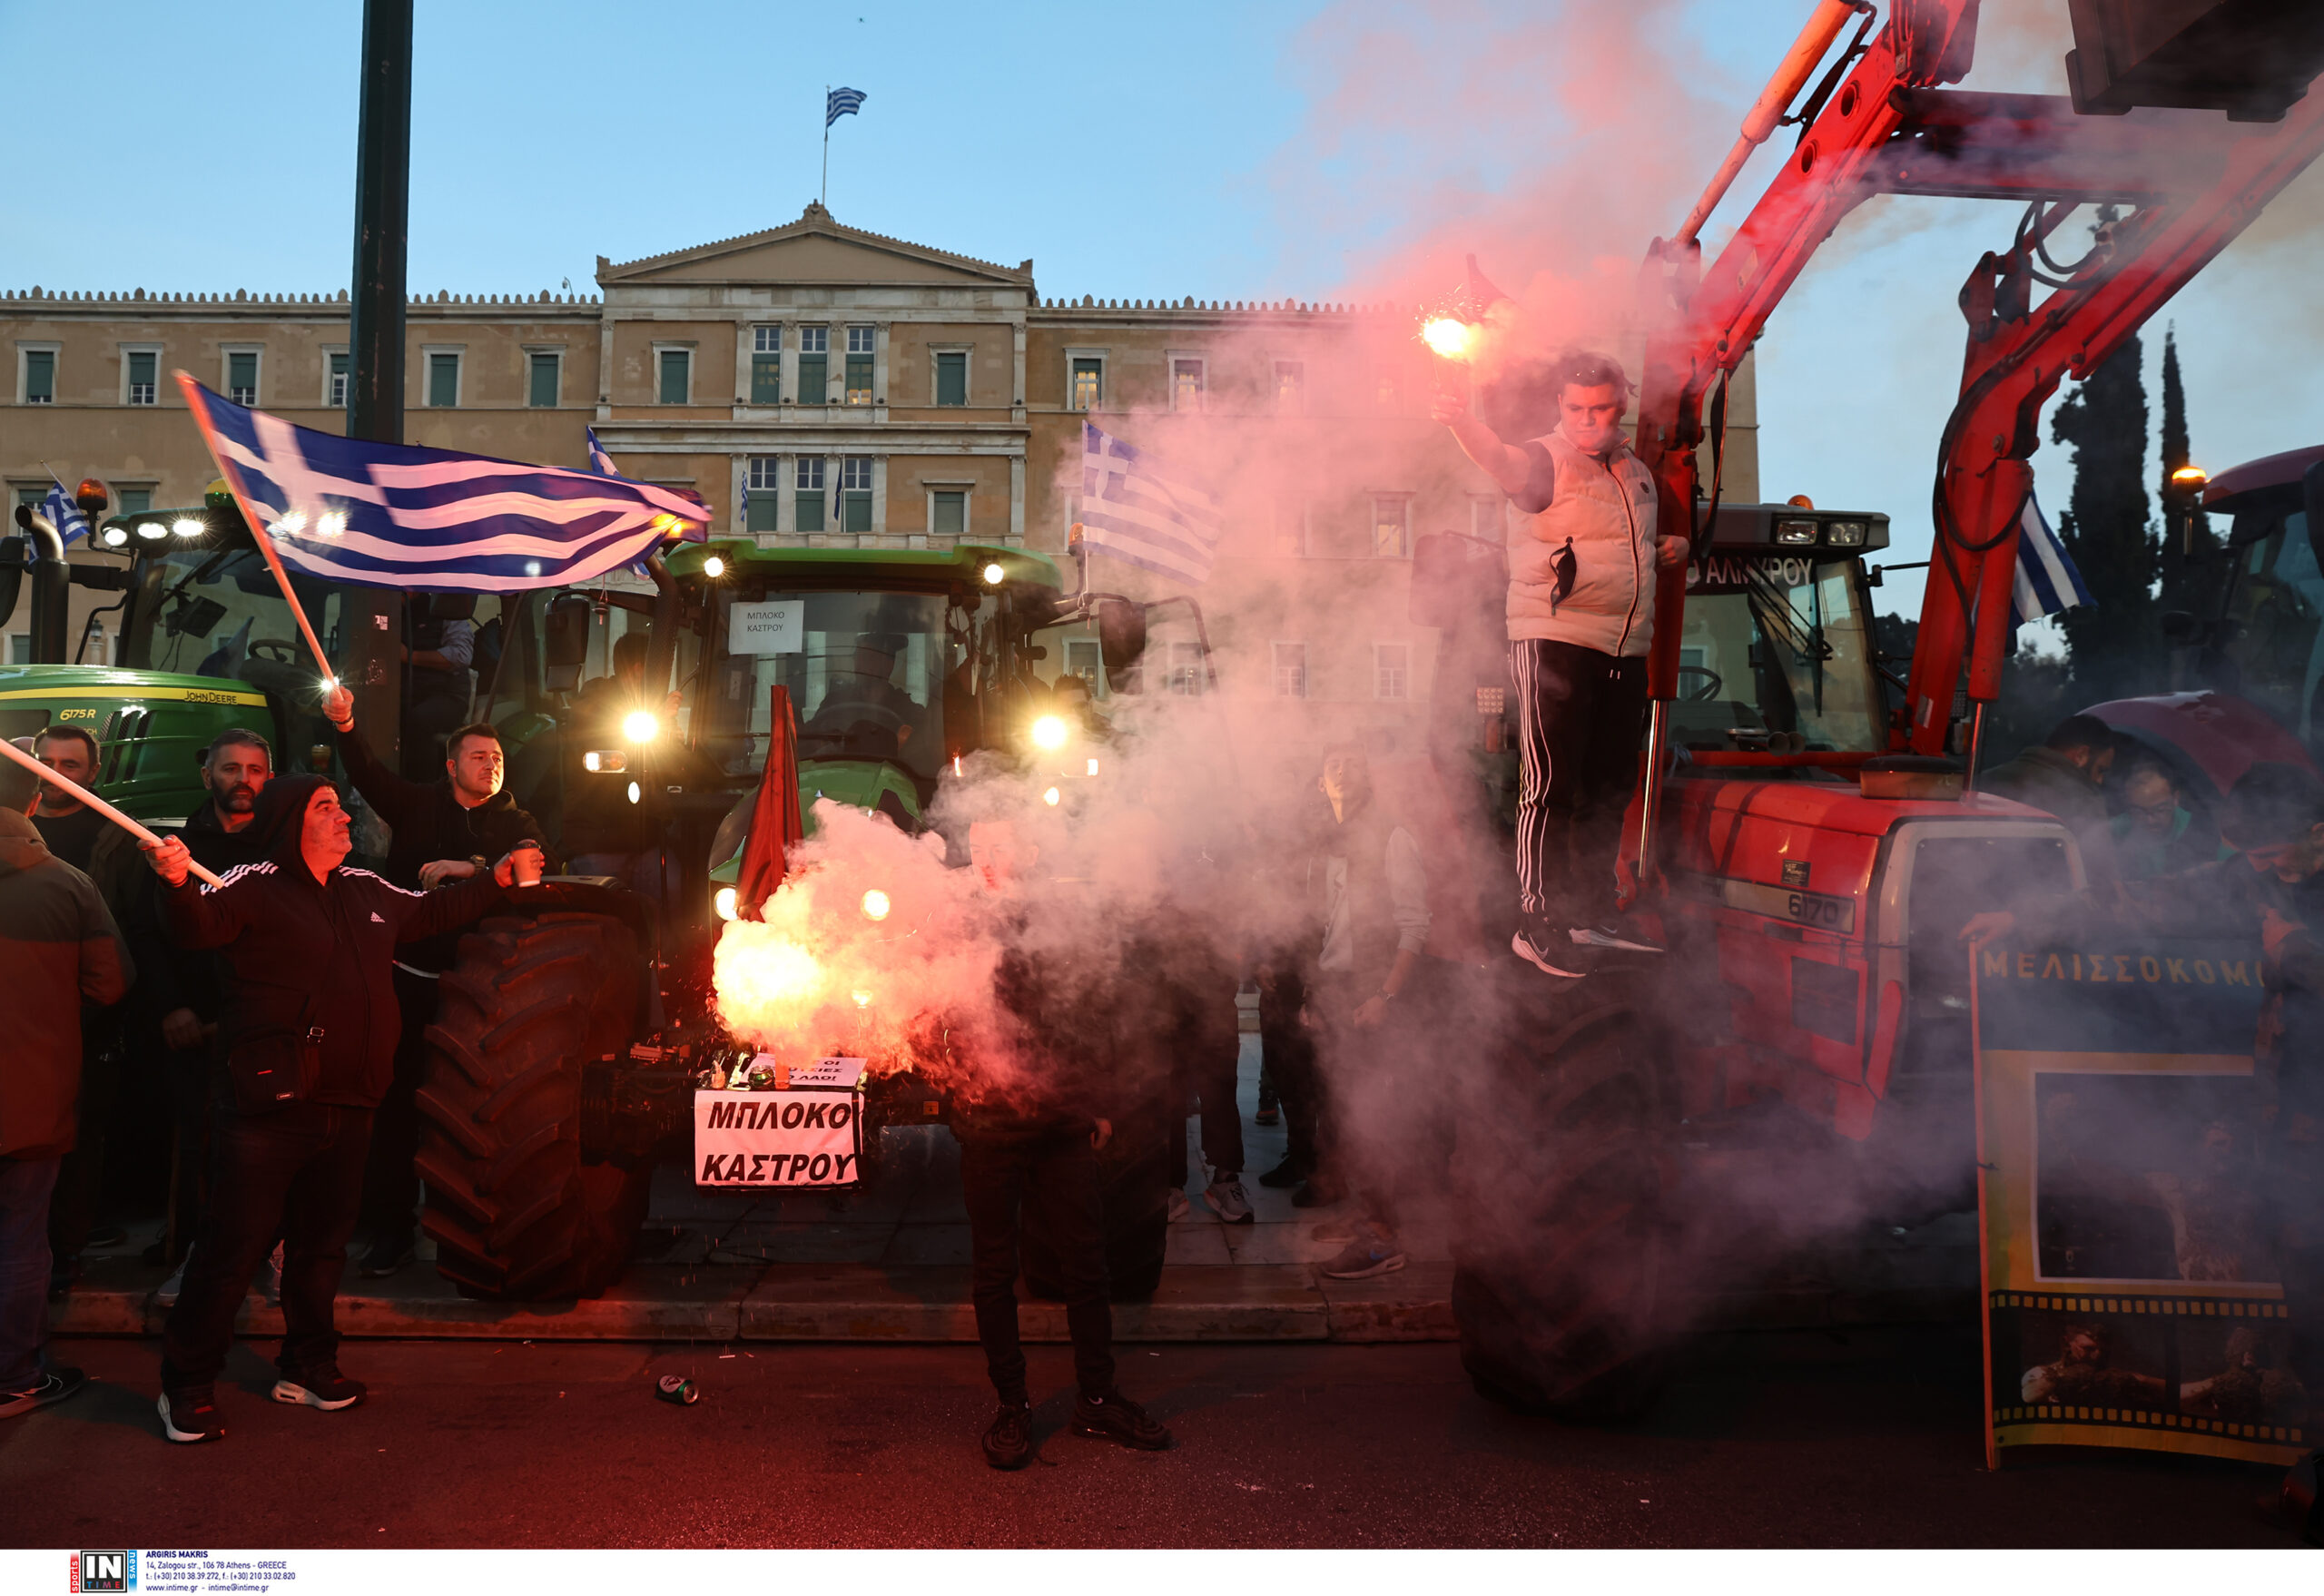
(1563, 1283)
(516, 1212)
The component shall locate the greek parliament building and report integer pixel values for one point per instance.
(856, 391)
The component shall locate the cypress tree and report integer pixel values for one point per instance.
(2110, 642)
(2191, 568)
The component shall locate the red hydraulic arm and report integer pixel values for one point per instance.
(2192, 179)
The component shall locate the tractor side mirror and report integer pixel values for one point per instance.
(13, 554)
(1121, 633)
(565, 642)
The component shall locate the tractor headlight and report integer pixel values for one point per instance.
(994, 576)
(727, 902)
(1844, 533)
(639, 727)
(1794, 532)
(115, 536)
(714, 567)
(187, 527)
(152, 531)
(598, 759)
(635, 792)
(1049, 732)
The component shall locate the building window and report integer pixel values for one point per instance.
(1384, 395)
(815, 365)
(545, 374)
(1291, 527)
(133, 501)
(140, 377)
(1186, 673)
(1485, 519)
(335, 381)
(948, 513)
(675, 370)
(1088, 383)
(38, 382)
(764, 477)
(1290, 388)
(443, 379)
(1392, 670)
(952, 377)
(859, 365)
(1187, 382)
(808, 506)
(1391, 526)
(242, 376)
(1084, 659)
(766, 366)
(1291, 670)
(855, 494)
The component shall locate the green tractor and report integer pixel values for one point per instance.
(578, 1021)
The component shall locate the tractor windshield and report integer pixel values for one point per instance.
(216, 610)
(2272, 634)
(1776, 644)
(867, 674)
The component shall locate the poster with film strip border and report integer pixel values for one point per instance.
(2127, 1244)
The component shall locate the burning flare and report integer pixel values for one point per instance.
(1456, 340)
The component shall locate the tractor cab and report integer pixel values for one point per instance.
(1776, 651)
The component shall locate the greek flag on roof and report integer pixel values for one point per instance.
(2047, 581)
(64, 515)
(838, 102)
(385, 515)
(1133, 512)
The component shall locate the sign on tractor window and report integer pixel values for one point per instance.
(777, 625)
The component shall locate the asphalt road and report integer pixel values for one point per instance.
(1785, 1440)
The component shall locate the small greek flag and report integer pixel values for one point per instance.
(838, 102)
(428, 520)
(600, 461)
(2047, 581)
(1130, 510)
(64, 515)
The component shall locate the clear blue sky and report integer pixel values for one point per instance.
(1129, 151)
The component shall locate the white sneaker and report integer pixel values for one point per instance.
(1179, 1206)
(1228, 1199)
(170, 1290)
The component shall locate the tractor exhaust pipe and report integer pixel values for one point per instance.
(1766, 112)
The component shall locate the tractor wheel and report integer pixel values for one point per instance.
(516, 1213)
(1561, 1284)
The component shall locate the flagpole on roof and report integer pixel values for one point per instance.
(826, 200)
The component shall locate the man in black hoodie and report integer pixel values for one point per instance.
(311, 1026)
(443, 831)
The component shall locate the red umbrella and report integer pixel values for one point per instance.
(776, 824)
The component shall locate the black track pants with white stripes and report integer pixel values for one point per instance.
(1581, 714)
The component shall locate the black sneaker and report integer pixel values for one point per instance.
(1609, 934)
(1319, 1190)
(385, 1256)
(1115, 1417)
(189, 1417)
(1547, 951)
(1289, 1173)
(1009, 1439)
(322, 1386)
(52, 1388)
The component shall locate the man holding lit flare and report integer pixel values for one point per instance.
(1581, 616)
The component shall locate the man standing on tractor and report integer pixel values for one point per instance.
(444, 832)
(1582, 579)
(311, 1039)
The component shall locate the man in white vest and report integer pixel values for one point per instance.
(1581, 573)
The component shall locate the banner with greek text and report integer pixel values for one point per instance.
(807, 1131)
(2124, 1193)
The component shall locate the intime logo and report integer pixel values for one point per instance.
(104, 1571)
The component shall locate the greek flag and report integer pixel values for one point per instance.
(1132, 512)
(385, 515)
(600, 461)
(2047, 581)
(64, 515)
(838, 102)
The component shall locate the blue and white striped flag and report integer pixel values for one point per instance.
(1134, 513)
(64, 515)
(600, 461)
(385, 515)
(2047, 581)
(838, 102)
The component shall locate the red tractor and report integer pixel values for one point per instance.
(1802, 1052)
